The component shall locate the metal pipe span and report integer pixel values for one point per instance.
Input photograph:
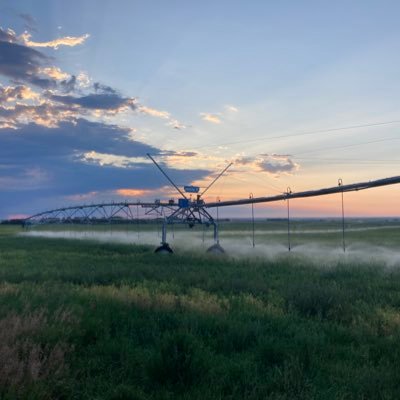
(309, 193)
(284, 196)
(116, 204)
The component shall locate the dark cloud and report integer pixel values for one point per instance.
(275, 155)
(8, 36)
(44, 114)
(29, 22)
(244, 160)
(179, 153)
(277, 164)
(34, 141)
(45, 153)
(45, 163)
(101, 101)
(98, 87)
(22, 64)
(68, 85)
(186, 154)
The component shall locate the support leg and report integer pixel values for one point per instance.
(164, 248)
(216, 248)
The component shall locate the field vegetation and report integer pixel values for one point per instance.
(82, 319)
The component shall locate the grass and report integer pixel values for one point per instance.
(90, 320)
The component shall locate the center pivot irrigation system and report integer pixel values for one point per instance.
(189, 211)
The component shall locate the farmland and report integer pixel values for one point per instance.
(94, 319)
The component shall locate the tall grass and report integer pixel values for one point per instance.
(82, 319)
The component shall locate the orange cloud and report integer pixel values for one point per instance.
(70, 41)
(55, 73)
(13, 93)
(17, 216)
(133, 192)
(154, 113)
(213, 118)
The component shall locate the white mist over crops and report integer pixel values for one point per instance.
(238, 244)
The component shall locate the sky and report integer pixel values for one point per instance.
(295, 94)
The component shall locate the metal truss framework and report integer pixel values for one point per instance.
(191, 212)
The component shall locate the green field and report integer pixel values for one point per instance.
(84, 319)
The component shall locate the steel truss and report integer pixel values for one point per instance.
(191, 212)
(100, 213)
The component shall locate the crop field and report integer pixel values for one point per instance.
(106, 318)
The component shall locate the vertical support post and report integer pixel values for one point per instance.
(252, 217)
(340, 183)
(204, 229)
(110, 223)
(164, 248)
(164, 232)
(137, 218)
(288, 193)
(128, 223)
(216, 225)
(216, 233)
(218, 200)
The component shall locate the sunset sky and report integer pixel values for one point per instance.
(295, 94)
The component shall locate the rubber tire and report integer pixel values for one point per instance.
(216, 249)
(163, 249)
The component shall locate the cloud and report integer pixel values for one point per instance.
(99, 87)
(277, 164)
(218, 118)
(69, 139)
(154, 113)
(231, 109)
(13, 93)
(29, 21)
(69, 41)
(22, 179)
(83, 80)
(48, 164)
(133, 192)
(244, 160)
(48, 147)
(101, 101)
(213, 118)
(44, 114)
(115, 160)
(185, 154)
(21, 63)
(174, 123)
(8, 36)
(56, 156)
(54, 72)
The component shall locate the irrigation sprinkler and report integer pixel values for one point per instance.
(191, 212)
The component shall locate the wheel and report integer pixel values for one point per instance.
(163, 249)
(216, 249)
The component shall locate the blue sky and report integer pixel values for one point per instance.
(88, 87)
